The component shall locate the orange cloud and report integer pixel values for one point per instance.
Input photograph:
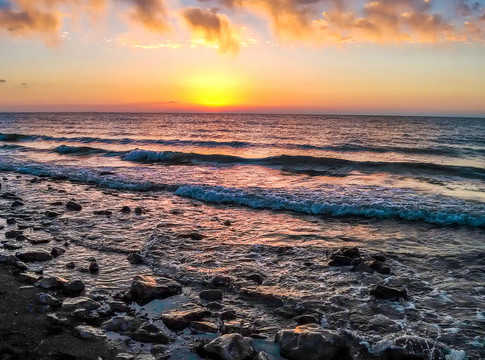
(150, 13)
(214, 28)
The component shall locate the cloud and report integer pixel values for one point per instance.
(151, 14)
(214, 28)
(464, 8)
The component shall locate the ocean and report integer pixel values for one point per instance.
(272, 194)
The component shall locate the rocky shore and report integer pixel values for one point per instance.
(47, 316)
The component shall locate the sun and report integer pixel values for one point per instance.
(215, 89)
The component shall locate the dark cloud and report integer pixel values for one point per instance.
(149, 13)
(214, 28)
(464, 8)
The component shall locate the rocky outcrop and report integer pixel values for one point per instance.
(179, 320)
(230, 347)
(74, 287)
(146, 288)
(150, 333)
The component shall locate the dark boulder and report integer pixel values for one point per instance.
(388, 293)
(135, 258)
(146, 288)
(73, 206)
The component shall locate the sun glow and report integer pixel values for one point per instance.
(215, 89)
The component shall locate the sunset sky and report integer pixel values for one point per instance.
(311, 56)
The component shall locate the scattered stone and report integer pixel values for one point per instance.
(194, 235)
(311, 342)
(227, 223)
(56, 320)
(343, 256)
(388, 293)
(72, 304)
(229, 314)
(214, 305)
(138, 211)
(150, 333)
(17, 203)
(52, 283)
(70, 265)
(28, 277)
(378, 267)
(237, 326)
(12, 234)
(262, 356)
(103, 212)
(57, 251)
(21, 238)
(20, 265)
(8, 259)
(257, 278)
(362, 267)
(74, 287)
(34, 255)
(378, 257)
(221, 280)
(94, 267)
(11, 221)
(145, 357)
(135, 258)
(73, 206)
(118, 306)
(124, 356)
(51, 214)
(122, 324)
(307, 319)
(414, 347)
(211, 294)
(179, 320)
(89, 333)
(231, 347)
(10, 245)
(47, 299)
(39, 241)
(146, 288)
(204, 327)
(125, 209)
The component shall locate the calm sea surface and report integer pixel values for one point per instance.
(271, 194)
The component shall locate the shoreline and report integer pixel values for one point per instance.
(183, 318)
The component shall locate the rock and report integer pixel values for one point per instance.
(8, 259)
(262, 296)
(415, 348)
(70, 265)
(52, 283)
(39, 241)
(138, 211)
(10, 245)
(100, 295)
(73, 206)
(11, 221)
(20, 265)
(231, 347)
(203, 326)
(135, 258)
(214, 305)
(124, 356)
(221, 280)
(378, 267)
(211, 294)
(122, 324)
(262, 356)
(21, 238)
(47, 299)
(89, 333)
(146, 288)
(57, 251)
(93, 267)
(118, 306)
(103, 212)
(29, 278)
(145, 357)
(229, 314)
(34, 255)
(56, 320)
(227, 223)
(12, 234)
(363, 267)
(125, 209)
(91, 259)
(80, 303)
(150, 333)
(17, 203)
(237, 326)
(307, 319)
(179, 320)
(388, 293)
(194, 235)
(51, 214)
(339, 260)
(378, 257)
(257, 278)
(74, 287)
(90, 317)
(311, 342)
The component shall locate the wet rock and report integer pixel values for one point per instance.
(124, 356)
(214, 305)
(103, 212)
(145, 357)
(135, 258)
(307, 319)
(74, 287)
(51, 214)
(270, 299)
(150, 333)
(362, 267)
(87, 316)
(73, 206)
(211, 294)
(194, 235)
(378, 267)
(146, 288)
(20, 265)
(70, 265)
(221, 280)
(52, 283)
(54, 319)
(8, 259)
(179, 320)
(21, 238)
(203, 326)
(29, 278)
(11, 221)
(379, 257)
(339, 260)
(16, 204)
(122, 324)
(10, 245)
(388, 293)
(39, 241)
(311, 342)
(125, 209)
(228, 314)
(118, 306)
(257, 278)
(413, 348)
(237, 326)
(94, 267)
(12, 234)
(227, 223)
(262, 356)
(47, 299)
(34, 255)
(138, 211)
(80, 303)
(230, 347)
(57, 251)
(89, 333)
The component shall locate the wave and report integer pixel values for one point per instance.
(78, 150)
(308, 163)
(440, 150)
(340, 207)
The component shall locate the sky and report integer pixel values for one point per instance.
(418, 57)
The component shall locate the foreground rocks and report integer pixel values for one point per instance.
(231, 347)
(34, 255)
(388, 293)
(311, 342)
(146, 288)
